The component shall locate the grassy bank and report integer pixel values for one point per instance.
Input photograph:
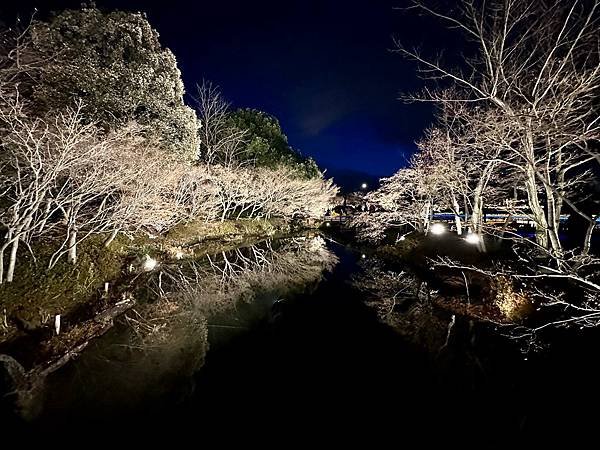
(77, 292)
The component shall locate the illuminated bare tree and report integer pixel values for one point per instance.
(536, 66)
(470, 170)
(220, 142)
(64, 167)
(406, 199)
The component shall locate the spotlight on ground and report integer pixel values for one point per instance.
(149, 264)
(437, 229)
(473, 238)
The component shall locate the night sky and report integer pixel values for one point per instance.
(323, 68)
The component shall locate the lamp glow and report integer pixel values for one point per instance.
(149, 264)
(473, 238)
(363, 186)
(437, 229)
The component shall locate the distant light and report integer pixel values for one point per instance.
(363, 186)
(327, 224)
(473, 238)
(363, 256)
(437, 228)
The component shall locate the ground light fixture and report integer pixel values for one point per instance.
(473, 238)
(437, 229)
(149, 264)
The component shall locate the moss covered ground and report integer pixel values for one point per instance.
(37, 294)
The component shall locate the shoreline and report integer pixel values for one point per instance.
(30, 351)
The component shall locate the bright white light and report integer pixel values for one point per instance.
(327, 224)
(363, 186)
(149, 264)
(363, 256)
(473, 238)
(437, 228)
(57, 324)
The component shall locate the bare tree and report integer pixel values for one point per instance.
(65, 166)
(262, 193)
(33, 162)
(470, 169)
(220, 142)
(406, 199)
(536, 67)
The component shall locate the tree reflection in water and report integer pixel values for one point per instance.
(150, 357)
(403, 301)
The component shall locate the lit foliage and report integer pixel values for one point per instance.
(115, 64)
(532, 118)
(62, 174)
(514, 306)
(518, 130)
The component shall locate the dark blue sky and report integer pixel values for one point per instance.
(323, 68)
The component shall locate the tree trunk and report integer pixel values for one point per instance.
(426, 219)
(111, 238)
(8, 238)
(12, 261)
(537, 211)
(477, 212)
(466, 208)
(553, 206)
(2, 263)
(72, 255)
(587, 240)
(457, 220)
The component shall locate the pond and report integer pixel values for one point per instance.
(285, 333)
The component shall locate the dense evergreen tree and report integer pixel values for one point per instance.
(267, 145)
(116, 65)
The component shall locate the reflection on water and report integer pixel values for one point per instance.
(149, 358)
(265, 332)
(403, 301)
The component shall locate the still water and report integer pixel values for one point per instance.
(285, 334)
